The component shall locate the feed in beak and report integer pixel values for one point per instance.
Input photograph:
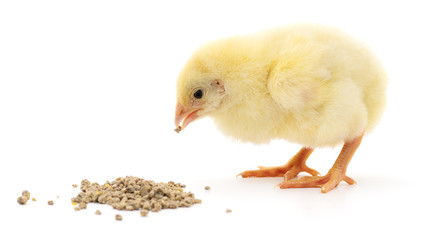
(178, 129)
(184, 117)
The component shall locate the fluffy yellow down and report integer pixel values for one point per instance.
(308, 84)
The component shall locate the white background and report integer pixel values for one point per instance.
(87, 90)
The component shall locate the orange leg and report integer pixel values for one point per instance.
(290, 170)
(334, 176)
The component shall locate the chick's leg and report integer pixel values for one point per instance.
(290, 170)
(334, 176)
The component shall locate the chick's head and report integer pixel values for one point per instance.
(210, 81)
(199, 92)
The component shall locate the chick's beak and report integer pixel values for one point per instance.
(184, 116)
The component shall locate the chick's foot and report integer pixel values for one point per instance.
(334, 176)
(290, 170)
(326, 183)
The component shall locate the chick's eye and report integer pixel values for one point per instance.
(198, 94)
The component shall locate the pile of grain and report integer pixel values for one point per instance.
(133, 193)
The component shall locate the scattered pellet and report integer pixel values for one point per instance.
(26, 194)
(98, 212)
(77, 208)
(118, 217)
(57, 196)
(207, 187)
(178, 129)
(144, 212)
(228, 210)
(75, 186)
(50, 202)
(22, 200)
(33, 199)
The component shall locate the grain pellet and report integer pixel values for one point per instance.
(118, 217)
(178, 129)
(82, 205)
(50, 202)
(98, 212)
(144, 212)
(207, 187)
(22, 200)
(228, 210)
(26, 194)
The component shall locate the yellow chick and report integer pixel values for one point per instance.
(306, 83)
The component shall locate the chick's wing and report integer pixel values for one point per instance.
(298, 81)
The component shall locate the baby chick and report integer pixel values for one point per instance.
(309, 84)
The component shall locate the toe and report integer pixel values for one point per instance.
(292, 173)
(246, 174)
(265, 172)
(330, 185)
(349, 180)
(304, 182)
(311, 171)
(334, 181)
